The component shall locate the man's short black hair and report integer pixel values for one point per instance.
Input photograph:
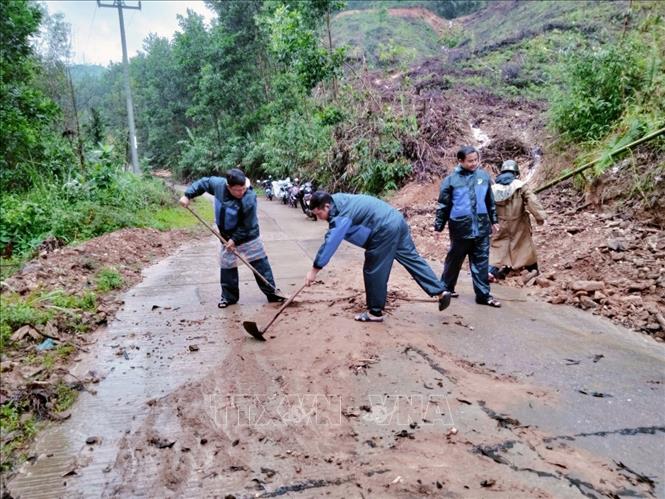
(319, 199)
(235, 176)
(465, 151)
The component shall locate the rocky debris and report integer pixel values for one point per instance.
(610, 263)
(161, 442)
(587, 286)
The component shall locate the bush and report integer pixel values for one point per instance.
(598, 86)
(197, 159)
(296, 145)
(102, 199)
(16, 312)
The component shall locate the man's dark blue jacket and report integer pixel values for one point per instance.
(354, 218)
(235, 218)
(466, 203)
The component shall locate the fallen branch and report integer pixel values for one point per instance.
(585, 166)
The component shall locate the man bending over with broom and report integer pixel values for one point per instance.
(381, 230)
(235, 216)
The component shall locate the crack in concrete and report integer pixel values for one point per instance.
(502, 420)
(432, 363)
(305, 485)
(640, 430)
(493, 452)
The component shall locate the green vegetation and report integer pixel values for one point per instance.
(14, 422)
(19, 425)
(614, 94)
(175, 217)
(65, 397)
(53, 183)
(262, 88)
(63, 300)
(598, 65)
(448, 9)
(16, 312)
(101, 199)
(599, 87)
(109, 279)
(39, 308)
(385, 41)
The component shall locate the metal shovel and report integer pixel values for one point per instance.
(253, 329)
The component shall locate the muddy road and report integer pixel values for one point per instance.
(530, 400)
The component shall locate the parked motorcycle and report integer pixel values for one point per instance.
(294, 194)
(267, 187)
(281, 190)
(306, 191)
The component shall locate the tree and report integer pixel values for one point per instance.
(95, 127)
(295, 44)
(25, 112)
(161, 100)
(54, 49)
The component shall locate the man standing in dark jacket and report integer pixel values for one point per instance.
(381, 230)
(466, 203)
(235, 216)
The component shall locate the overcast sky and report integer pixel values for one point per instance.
(96, 32)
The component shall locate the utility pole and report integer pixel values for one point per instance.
(120, 4)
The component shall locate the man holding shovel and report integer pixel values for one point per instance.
(381, 230)
(235, 216)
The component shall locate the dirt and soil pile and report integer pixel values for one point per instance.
(449, 116)
(606, 261)
(610, 232)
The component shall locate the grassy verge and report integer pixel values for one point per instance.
(385, 41)
(175, 217)
(78, 222)
(55, 313)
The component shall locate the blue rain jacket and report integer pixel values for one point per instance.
(353, 218)
(466, 203)
(235, 218)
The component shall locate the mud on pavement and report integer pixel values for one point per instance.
(329, 406)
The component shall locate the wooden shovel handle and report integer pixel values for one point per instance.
(281, 309)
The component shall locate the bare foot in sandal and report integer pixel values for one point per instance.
(491, 302)
(367, 317)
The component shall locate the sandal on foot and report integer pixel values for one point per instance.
(490, 302)
(367, 317)
(444, 301)
(454, 295)
(223, 303)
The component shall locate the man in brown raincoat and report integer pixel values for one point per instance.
(512, 247)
